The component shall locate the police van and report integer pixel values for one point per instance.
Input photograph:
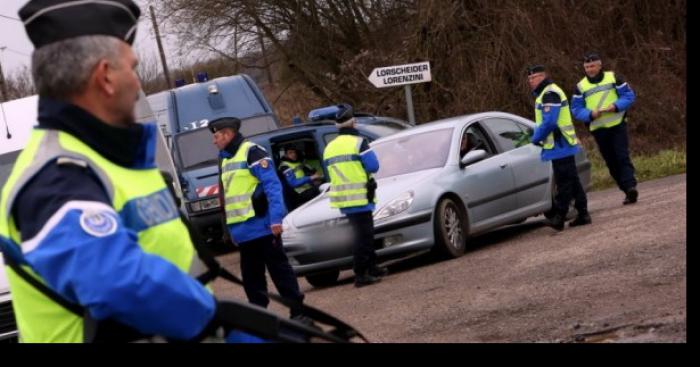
(183, 114)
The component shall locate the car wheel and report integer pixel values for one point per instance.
(450, 229)
(325, 279)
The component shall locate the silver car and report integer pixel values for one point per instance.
(433, 193)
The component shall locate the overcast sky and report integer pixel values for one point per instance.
(19, 48)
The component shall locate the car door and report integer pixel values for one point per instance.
(531, 175)
(487, 184)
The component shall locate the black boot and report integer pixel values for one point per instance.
(631, 196)
(365, 279)
(557, 222)
(581, 220)
(377, 271)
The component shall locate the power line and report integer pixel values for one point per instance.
(10, 18)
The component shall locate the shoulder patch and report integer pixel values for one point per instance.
(98, 223)
(264, 163)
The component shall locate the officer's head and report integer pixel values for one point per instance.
(83, 54)
(535, 75)
(292, 152)
(592, 64)
(225, 130)
(345, 116)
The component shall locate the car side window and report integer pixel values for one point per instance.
(506, 133)
(473, 137)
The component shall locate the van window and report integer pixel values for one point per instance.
(7, 161)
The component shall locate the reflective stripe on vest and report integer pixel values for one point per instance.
(348, 177)
(139, 196)
(239, 185)
(564, 123)
(298, 170)
(601, 95)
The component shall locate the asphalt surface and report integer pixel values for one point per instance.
(621, 279)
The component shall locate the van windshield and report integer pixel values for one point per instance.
(195, 148)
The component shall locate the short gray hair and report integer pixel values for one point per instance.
(62, 69)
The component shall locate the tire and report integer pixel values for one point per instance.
(325, 279)
(450, 229)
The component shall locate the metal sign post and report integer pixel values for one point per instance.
(409, 105)
(397, 75)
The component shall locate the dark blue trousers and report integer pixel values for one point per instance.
(364, 256)
(613, 145)
(568, 187)
(268, 252)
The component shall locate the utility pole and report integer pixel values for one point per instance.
(160, 48)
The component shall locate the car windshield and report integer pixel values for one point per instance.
(196, 149)
(413, 153)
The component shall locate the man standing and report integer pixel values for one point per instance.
(254, 208)
(601, 100)
(350, 162)
(298, 176)
(555, 133)
(92, 239)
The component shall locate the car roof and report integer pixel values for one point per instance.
(449, 122)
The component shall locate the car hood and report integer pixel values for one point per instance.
(319, 210)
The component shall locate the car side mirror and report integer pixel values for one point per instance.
(324, 187)
(472, 157)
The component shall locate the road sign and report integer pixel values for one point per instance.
(397, 75)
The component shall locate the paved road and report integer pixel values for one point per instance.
(622, 279)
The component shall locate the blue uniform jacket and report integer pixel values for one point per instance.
(625, 99)
(107, 273)
(371, 165)
(292, 179)
(551, 103)
(270, 187)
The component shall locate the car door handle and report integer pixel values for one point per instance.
(503, 165)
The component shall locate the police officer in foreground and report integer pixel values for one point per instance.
(555, 133)
(254, 209)
(298, 176)
(601, 100)
(91, 236)
(350, 163)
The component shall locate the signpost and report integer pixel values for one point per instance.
(407, 74)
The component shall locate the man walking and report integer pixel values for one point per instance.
(555, 133)
(601, 100)
(254, 208)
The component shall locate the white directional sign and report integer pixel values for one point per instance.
(397, 75)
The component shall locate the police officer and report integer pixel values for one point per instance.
(601, 100)
(254, 208)
(91, 236)
(555, 133)
(350, 162)
(298, 176)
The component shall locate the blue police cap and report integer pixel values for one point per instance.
(225, 122)
(534, 69)
(49, 21)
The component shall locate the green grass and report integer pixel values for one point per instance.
(647, 167)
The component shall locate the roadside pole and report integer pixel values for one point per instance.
(397, 75)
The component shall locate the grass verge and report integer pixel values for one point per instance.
(647, 167)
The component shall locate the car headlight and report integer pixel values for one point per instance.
(395, 206)
(202, 205)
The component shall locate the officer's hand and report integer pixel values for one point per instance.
(315, 176)
(610, 108)
(276, 229)
(595, 114)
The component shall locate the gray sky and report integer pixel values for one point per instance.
(19, 48)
